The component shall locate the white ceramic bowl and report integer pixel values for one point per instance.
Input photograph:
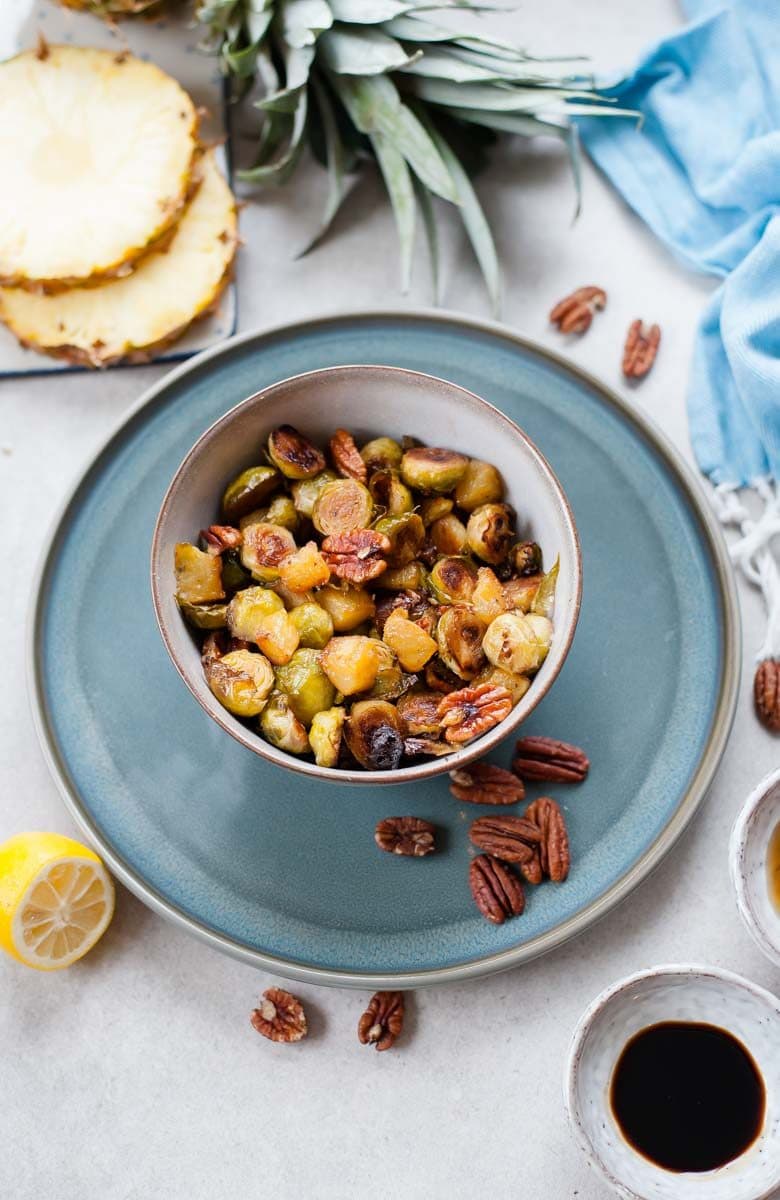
(673, 993)
(369, 401)
(748, 847)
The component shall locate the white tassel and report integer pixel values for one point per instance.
(752, 552)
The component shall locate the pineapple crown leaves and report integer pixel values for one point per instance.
(381, 79)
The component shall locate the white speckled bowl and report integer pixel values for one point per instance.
(673, 993)
(748, 847)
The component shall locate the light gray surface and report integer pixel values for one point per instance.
(136, 1073)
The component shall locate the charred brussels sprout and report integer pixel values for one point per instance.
(280, 726)
(452, 580)
(521, 592)
(390, 493)
(248, 491)
(294, 454)
(526, 558)
(480, 484)
(341, 507)
(198, 575)
(490, 533)
(325, 736)
(374, 735)
(306, 685)
(314, 624)
(265, 548)
(431, 469)
(406, 534)
(381, 453)
(518, 643)
(241, 681)
(459, 634)
(419, 713)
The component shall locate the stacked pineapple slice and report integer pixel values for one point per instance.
(116, 230)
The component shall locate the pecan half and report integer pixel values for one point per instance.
(484, 783)
(471, 711)
(346, 456)
(574, 313)
(280, 1017)
(512, 839)
(640, 349)
(382, 1021)
(554, 847)
(546, 758)
(219, 538)
(410, 836)
(357, 556)
(497, 891)
(766, 693)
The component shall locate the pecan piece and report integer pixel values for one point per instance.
(554, 846)
(546, 758)
(766, 693)
(512, 839)
(471, 711)
(382, 1021)
(410, 836)
(640, 349)
(574, 313)
(219, 538)
(497, 892)
(484, 783)
(280, 1017)
(357, 556)
(346, 456)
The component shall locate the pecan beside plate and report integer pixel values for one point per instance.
(382, 1021)
(280, 1017)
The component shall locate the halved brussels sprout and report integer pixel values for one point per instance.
(459, 634)
(389, 493)
(435, 507)
(419, 713)
(452, 580)
(409, 578)
(241, 681)
(248, 491)
(294, 454)
(380, 453)
(278, 637)
(341, 507)
(265, 548)
(490, 532)
(233, 574)
(314, 624)
(374, 735)
(347, 606)
(325, 736)
(544, 600)
(521, 592)
(448, 535)
(489, 599)
(432, 469)
(306, 491)
(248, 609)
(526, 558)
(198, 575)
(390, 682)
(518, 643)
(481, 484)
(516, 685)
(290, 599)
(303, 680)
(411, 645)
(304, 570)
(406, 534)
(280, 726)
(351, 663)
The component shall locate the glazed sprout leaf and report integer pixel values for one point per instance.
(544, 600)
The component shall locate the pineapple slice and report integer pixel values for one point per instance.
(98, 150)
(132, 317)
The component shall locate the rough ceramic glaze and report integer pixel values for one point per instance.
(673, 993)
(748, 865)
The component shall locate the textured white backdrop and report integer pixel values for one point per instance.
(136, 1075)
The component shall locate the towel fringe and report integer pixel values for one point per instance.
(752, 552)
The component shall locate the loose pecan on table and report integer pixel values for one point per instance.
(640, 349)
(357, 556)
(219, 538)
(346, 456)
(575, 313)
(497, 892)
(280, 1017)
(382, 1021)
(471, 711)
(410, 836)
(766, 693)
(554, 846)
(513, 839)
(484, 783)
(546, 758)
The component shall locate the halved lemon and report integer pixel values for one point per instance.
(56, 899)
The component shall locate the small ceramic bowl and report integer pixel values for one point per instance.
(673, 993)
(748, 852)
(369, 401)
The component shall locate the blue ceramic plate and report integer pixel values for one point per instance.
(282, 870)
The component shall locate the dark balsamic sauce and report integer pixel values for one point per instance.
(687, 1096)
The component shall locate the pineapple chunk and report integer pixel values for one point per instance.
(277, 637)
(98, 152)
(305, 569)
(198, 575)
(411, 644)
(131, 317)
(489, 599)
(351, 663)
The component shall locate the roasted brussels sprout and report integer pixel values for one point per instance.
(248, 610)
(241, 681)
(305, 569)
(390, 682)
(480, 484)
(351, 663)
(381, 452)
(347, 606)
(325, 735)
(204, 616)
(306, 685)
(248, 491)
(233, 574)
(265, 548)
(452, 581)
(374, 735)
(405, 533)
(435, 507)
(390, 493)
(489, 532)
(314, 624)
(432, 469)
(282, 511)
(294, 454)
(411, 645)
(198, 575)
(521, 592)
(448, 535)
(518, 643)
(280, 726)
(526, 558)
(341, 507)
(411, 577)
(459, 634)
(489, 598)
(306, 491)
(419, 713)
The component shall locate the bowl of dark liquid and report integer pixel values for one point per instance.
(673, 1086)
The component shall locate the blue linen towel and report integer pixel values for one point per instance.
(703, 170)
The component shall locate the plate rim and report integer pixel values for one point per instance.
(502, 960)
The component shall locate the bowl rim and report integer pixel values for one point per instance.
(584, 1026)
(418, 771)
(739, 842)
